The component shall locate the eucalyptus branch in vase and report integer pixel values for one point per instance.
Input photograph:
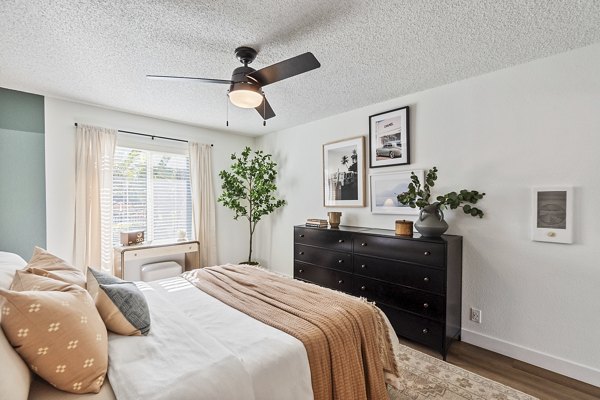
(419, 196)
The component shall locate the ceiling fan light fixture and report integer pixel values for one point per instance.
(245, 95)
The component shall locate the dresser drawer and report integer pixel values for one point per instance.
(419, 329)
(426, 253)
(331, 239)
(423, 303)
(325, 277)
(323, 258)
(416, 276)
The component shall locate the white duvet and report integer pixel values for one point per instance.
(200, 348)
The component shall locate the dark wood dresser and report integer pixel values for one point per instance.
(416, 281)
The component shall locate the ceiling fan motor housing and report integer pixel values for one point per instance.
(243, 92)
(239, 75)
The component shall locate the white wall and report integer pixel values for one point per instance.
(501, 133)
(60, 169)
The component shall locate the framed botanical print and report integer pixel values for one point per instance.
(385, 189)
(344, 173)
(552, 214)
(389, 138)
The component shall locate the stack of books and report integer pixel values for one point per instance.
(317, 223)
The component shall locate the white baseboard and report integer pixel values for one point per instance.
(559, 365)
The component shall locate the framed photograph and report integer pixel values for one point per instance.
(385, 189)
(552, 214)
(344, 173)
(389, 139)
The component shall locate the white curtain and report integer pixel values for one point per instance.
(93, 201)
(203, 202)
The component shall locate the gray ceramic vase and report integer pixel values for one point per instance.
(431, 221)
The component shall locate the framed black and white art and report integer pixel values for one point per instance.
(344, 173)
(552, 214)
(389, 139)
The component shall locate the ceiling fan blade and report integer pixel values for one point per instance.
(265, 109)
(285, 69)
(205, 80)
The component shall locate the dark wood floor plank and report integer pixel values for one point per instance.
(538, 382)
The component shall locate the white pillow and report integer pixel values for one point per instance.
(9, 263)
(15, 377)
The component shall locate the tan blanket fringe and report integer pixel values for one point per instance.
(346, 340)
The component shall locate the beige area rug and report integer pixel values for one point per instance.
(425, 377)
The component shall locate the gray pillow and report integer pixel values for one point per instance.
(121, 304)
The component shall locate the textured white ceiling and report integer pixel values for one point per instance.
(100, 51)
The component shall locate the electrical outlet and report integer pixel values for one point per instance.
(475, 315)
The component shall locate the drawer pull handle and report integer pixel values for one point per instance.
(363, 288)
(340, 261)
(301, 235)
(425, 305)
(340, 281)
(425, 331)
(363, 266)
(300, 271)
(364, 244)
(427, 253)
(341, 241)
(426, 279)
(301, 253)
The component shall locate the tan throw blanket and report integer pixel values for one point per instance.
(346, 339)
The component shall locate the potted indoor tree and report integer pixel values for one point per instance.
(431, 221)
(249, 189)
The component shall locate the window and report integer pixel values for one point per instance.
(151, 192)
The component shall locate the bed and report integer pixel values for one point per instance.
(198, 348)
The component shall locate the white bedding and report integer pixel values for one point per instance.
(200, 348)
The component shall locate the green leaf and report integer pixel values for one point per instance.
(418, 195)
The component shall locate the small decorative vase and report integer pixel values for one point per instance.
(334, 218)
(431, 221)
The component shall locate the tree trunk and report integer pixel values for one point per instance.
(249, 198)
(251, 234)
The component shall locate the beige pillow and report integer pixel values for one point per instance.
(59, 334)
(24, 280)
(46, 264)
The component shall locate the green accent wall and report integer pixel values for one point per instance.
(22, 177)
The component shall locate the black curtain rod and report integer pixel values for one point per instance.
(152, 136)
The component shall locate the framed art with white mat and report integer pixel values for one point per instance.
(344, 173)
(389, 138)
(552, 217)
(385, 189)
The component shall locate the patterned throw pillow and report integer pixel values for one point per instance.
(121, 304)
(45, 264)
(59, 334)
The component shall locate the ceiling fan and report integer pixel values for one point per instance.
(246, 83)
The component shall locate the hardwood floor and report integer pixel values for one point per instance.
(538, 382)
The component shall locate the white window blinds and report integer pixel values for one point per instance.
(151, 191)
